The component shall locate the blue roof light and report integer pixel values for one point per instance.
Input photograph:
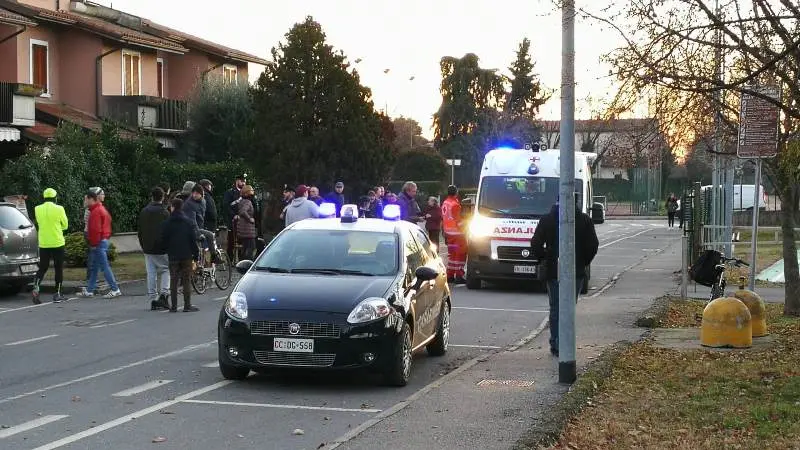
(391, 212)
(327, 210)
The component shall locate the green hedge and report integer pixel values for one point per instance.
(76, 249)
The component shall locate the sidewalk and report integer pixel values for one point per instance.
(456, 413)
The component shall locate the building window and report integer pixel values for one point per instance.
(229, 74)
(131, 73)
(160, 76)
(40, 65)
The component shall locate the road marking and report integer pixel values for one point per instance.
(271, 405)
(109, 371)
(23, 308)
(27, 341)
(35, 423)
(625, 238)
(212, 365)
(490, 347)
(135, 415)
(139, 389)
(113, 324)
(471, 308)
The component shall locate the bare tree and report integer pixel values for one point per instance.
(670, 46)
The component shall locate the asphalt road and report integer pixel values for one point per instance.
(111, 374)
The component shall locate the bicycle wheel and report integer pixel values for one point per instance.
(199, 281)
(222, 271)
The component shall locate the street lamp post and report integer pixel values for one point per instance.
(453, 163)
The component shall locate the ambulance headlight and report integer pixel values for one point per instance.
(391, 212)
(480, 226)
(327, 210)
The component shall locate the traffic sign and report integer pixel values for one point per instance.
(758, 124)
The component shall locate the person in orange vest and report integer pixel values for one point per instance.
(454, 236)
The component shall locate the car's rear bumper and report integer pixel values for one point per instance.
(18, 270)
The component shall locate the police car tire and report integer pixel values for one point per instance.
(231, 372)
(473, 282)
(396, 373)
(438, 347)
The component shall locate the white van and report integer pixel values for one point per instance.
(743, 196)
(518, 187)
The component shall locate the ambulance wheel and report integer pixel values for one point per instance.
(474, 283)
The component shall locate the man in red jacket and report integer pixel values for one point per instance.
(98, 233)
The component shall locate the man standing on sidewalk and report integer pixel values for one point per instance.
(52, 222)
(544, 247)
(178, 234)
(151, 219)
(99, 232)
(101, 197)
(454, 236)
(230, 203)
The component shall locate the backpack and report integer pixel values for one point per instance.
(703, 271)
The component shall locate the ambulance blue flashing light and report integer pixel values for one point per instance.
(349, 213)
(533, 169)
(327, 210)
(391, 212)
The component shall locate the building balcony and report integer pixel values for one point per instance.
(18, 104)
(146, 112)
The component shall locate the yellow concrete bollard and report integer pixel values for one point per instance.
(726, 323)
(758, 311)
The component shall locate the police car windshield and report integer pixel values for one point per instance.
(519, 196)
(331, 252)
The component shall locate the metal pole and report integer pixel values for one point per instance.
(714, 198)
(452, 172)
(567, 368)
(729, 180)
(684, 265)
(754, 241)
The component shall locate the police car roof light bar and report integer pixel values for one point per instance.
(327, 210)
(349, 213)
(391, 212)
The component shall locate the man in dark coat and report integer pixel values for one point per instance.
(210, 218)
(544, 247)
(230, 202)
(151, 220)
(178, 235)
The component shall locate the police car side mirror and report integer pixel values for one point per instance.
(243, 266)
(423, 274)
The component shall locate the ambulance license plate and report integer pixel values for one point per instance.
(525, 269)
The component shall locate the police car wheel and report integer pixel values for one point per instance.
(398, 371)
(438, 347)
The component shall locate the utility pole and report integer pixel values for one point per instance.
(727, 211)
(567, 368)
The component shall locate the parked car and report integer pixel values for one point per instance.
(19, 249)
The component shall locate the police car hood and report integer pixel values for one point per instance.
(310, 292)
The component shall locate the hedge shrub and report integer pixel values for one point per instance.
(76, 248)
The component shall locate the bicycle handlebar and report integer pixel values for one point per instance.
(735, 261)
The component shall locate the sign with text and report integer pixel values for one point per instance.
(758, 124)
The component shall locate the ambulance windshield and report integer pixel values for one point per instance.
(519, 196)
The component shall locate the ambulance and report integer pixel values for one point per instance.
(517, 187)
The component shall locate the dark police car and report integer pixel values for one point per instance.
(338, 293)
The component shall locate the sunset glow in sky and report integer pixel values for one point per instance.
(408, 38)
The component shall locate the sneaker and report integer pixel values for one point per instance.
(85, 294)
(112, 294)
(35, 293)
(58, 298)
(172, 310)
(191, 308)
(163, 301)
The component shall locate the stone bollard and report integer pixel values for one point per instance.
(758, 312)
(726, 323)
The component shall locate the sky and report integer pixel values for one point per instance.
(407, 37)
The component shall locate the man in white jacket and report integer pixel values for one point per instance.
(301, 207)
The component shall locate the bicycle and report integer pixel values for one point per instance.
(206, 270)
(709, 270)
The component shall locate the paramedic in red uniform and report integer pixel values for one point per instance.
(454, 236)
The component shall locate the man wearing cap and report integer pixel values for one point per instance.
(230, 202)
(99, 232)
(301, 207)
(337, 197)
(101, 197)
(151, 220)
(52, 222)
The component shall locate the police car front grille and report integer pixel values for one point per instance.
(514, 253)
(307, 329)
(294, 359)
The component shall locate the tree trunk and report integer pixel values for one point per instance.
(789, 208)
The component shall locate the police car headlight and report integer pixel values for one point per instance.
(236, 306)
(480, 226)
(369, 309)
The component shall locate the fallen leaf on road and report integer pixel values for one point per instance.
(320, 446)
(326, 418)
(298, 432)
(158, 440)
(240, 435)
(392, 431)
(4, 426)
(75, 398)
(166, 412)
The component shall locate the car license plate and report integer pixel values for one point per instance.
(28, 268)
(293, 345)
(525, 269)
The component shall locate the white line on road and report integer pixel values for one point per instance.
(489, 347)
(109, 371)
(271, 405)
(471, 308)
(35, 423)
(23, 308)
(113, 324)
(124, 419)
(212, 365)
(141, 388)
(27, 341)
(625, 238)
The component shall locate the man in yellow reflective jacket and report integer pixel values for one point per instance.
(52, 222)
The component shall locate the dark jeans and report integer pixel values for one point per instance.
(180, 271)
(45, 255)
(552, 296)
(671, 218)
(434, 237)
